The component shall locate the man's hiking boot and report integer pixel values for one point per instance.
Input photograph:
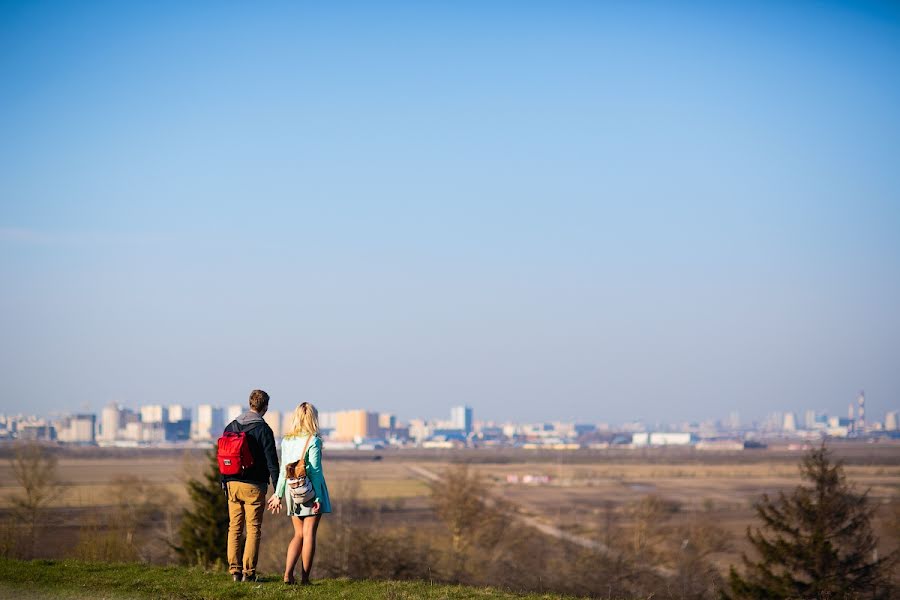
(237, 576)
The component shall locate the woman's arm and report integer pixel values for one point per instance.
(282, 475)
(314, 466)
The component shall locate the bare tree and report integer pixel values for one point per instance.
(125, 532)
(610, 526)
(458, 498)
(696, 575)
(648, 516)
(34, 468)
(356, 543)
(348, 517)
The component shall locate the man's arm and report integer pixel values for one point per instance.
(268, 444)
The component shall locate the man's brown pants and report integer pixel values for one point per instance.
(246, 505)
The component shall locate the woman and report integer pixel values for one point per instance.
(302, 442)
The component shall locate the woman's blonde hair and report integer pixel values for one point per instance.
(305, 421)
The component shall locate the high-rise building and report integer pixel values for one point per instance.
(133, 431)
(177, 431)
(773, 422)
(387, 423)
(153, 433)
(209, 423)
(815, 420)
(36, 432)
(287, 421)
(890, 421)
(861, 415)
(790, 422)
(179, 412)
(328, 420)
(355, 424)
(809, 419)
(419, 430)
(77, 429)
(273, 418)
(461, 418)
(233, 412)
(126, 416)
(110, 422)
(154, 413)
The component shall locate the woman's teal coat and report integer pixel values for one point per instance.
(291, 448)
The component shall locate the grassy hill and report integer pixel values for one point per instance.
(74, 580)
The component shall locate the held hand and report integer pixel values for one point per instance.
(274, 504)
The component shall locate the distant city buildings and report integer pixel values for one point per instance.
(419, 430)
(177, 412)
(461, 419)
(662, 439)
(35, 432)
(327, 421)
(353, 425)
(159, 424)
(77, 429)
(861, 412)
(154, 413)
(233, 412)
(790, 422)
(838, 427)
(287, 422)
(110, 422)
(273, 418)
(387, 425)
(815, 421)
(890, 421)
(210, 422)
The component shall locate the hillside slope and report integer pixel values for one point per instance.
(74, 580)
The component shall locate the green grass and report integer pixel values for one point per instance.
(75, 580)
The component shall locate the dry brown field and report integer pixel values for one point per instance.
(594, 500)
(589, 493)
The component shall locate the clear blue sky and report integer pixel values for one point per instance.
(597, 211)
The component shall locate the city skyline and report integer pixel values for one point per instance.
(875, 405)
(592, 210)
(461, 415)
(363, 429)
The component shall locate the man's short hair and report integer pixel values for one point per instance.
(258, 400)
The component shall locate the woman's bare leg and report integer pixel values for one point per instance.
(310, 525)
(293, 550)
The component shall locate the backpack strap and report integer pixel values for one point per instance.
(302, 461)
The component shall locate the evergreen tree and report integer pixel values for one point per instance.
(204, 525)
(816, 543)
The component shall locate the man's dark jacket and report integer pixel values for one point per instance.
(262, 446)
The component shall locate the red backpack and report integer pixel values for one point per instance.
(234, 453)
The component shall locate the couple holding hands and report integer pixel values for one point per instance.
(301, 453)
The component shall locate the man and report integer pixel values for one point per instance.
(247, 490)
